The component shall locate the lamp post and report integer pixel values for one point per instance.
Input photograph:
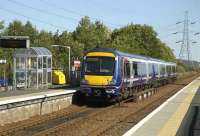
(69, 48)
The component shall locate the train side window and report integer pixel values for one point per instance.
(141, 69)
(162, 69)
(156, 69)
(168, 69)
(135, 69)
(150, 67)
(165, 67)
(173, 69)
(127, 70)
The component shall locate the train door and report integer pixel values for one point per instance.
(153, 71)
(159, 70)
(127, 72)
(135, 70)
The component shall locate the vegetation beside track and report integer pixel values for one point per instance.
(132, 38)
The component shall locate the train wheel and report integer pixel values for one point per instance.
(125, 93)
(119, 99)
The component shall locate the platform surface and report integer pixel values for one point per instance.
(30, 95)
(167, 118)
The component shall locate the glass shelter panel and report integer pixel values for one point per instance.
(32, 68)
(49, 77)
(49, 62)
(20, 80)
(44, 62)
(40, 78)
(40, 63)
(32, 62)
(20, 63)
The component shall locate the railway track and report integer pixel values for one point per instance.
(132, 119)
(14, 128)
(39, 124)
(61, 123)
(135, 117)
(108, 125)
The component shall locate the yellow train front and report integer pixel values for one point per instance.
(99, 76)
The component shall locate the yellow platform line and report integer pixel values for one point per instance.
(174, 122)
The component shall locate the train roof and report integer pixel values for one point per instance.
(119, 53)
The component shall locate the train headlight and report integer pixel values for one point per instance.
(110, 91)
(112, 82)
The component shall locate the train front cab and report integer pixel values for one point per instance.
(99, 76)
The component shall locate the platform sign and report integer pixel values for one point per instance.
(14, 42)
(77, 63)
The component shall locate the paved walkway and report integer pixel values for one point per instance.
(31, 91)
(167, 118)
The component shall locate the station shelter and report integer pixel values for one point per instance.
(32, 68)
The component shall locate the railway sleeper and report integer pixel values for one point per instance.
(23, 125)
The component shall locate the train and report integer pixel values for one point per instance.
(110, 74)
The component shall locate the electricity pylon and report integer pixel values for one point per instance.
(185, 46)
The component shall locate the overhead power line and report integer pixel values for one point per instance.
(41, 10)
(194, 22)
(76, 13)
(167, 27)
(64, 9)
(197, 33)
(179, 22)
(31, 18)
(52, 13)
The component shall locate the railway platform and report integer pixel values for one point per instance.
(178, 115)
(23, 105)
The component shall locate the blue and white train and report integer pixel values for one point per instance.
(109, 73)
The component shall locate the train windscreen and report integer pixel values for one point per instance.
(99, 66)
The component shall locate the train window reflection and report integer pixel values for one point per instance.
(99, 66)
(135, 69)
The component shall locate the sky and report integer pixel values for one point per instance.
(162, 15)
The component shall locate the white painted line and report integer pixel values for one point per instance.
(20, 99)
(34, 96)
(143, 121)
(60, 93)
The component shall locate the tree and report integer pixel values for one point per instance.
(128, 39)
(1, 25)
(44, 39)
(133, 38)
(60, 54)
(66, 39)
(91, 35)
(101, 34)
(84, 33)
(15, 28)
(5, 54)
(30, 31)
(142, 40)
